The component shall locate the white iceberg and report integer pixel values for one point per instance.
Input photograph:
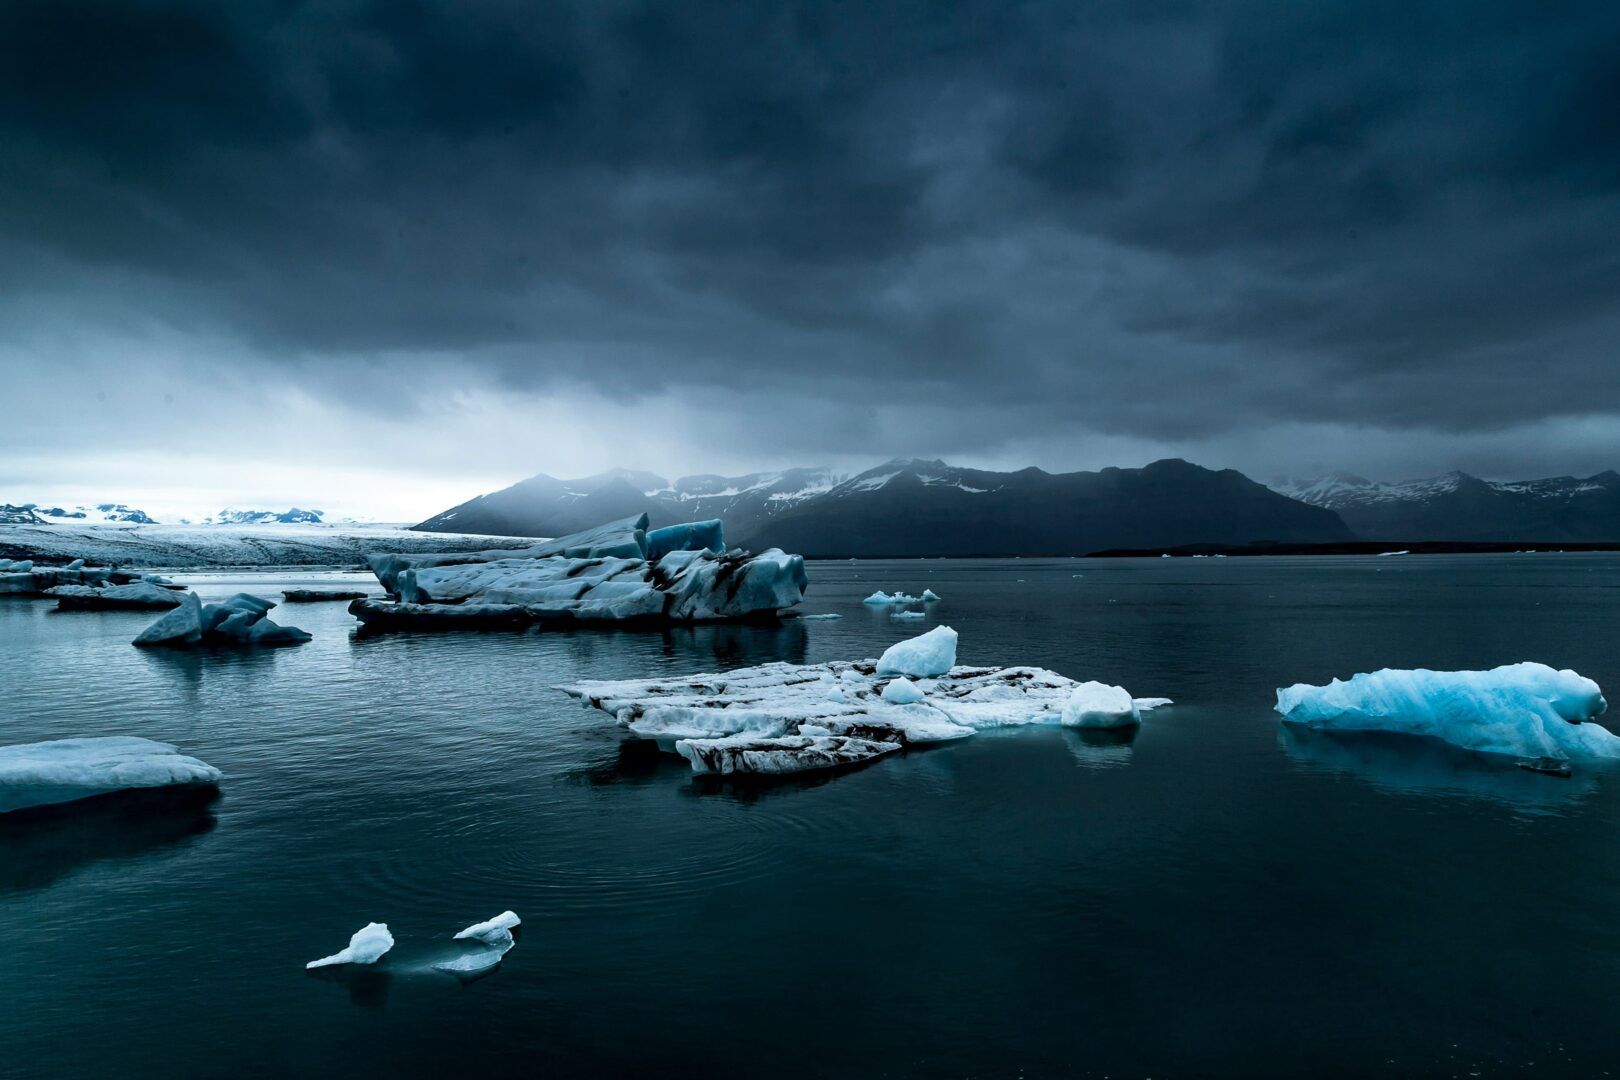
(239, 620)
(929, 596)
(786, 718)
(620, 577)
(1527, 710)
(883, 599)
(933, 653)
(909, 614)
(902, 691)
(1098, 705)
(490, 928)
(367, 946)
(66, 770)
(495, 940)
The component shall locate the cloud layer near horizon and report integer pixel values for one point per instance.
(444, 246)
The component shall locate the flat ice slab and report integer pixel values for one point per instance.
(368, 945)
(137, 596)
(66, 770)
(1526, 710)
(786, 718)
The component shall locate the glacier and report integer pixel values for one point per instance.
(66, 770)
(781, 718)
(612, 573)
(368, 945)
(1528, 711)
(239, 620)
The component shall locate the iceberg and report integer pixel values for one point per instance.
(239, 620)
(484, 931)
(1098, 705)
(882, 599)
(23, 577)
(495, 940)
(782, 718)
(139, 596)
(933, 653)
(313, 596)
(66, 770)
(1526, 710)
(929, 596)
(367, 946)
(619, 577)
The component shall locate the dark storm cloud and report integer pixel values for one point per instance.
(1167, 219)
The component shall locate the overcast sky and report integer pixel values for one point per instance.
(381, 257)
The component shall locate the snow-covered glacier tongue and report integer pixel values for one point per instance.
(612, 573)
(783, 718)
(1528, 711)
(67, 770)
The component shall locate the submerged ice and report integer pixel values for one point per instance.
(787, 718)
(66, 770)
(1525, 710)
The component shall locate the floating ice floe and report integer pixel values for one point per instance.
(494, 940)
(139, 596)
(66, 770)
(786, 718)
(613, 573)
(821, 616)
(367, 946)
(1387, 554)
(909, 614)
(314, 596)
(929, 596)
(1529, 710)
(24, 577)
(239, 620)
(883, 599)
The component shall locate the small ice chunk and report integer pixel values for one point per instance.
(910, 615)
(367, 946)
(1098, 705)
(1143, 704)
(929, 596)
(902, 691)
(923, 657)
(823, 615)
(1386, 554)
(491, 928)
(495, 946)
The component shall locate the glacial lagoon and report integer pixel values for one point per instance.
(1211, 893)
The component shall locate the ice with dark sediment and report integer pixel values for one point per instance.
(785, 718)
(613, 573)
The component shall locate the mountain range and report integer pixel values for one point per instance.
(1460, 507)
(909, 508)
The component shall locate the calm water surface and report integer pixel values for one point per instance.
(1214, 898)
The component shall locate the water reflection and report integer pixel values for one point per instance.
(1420, 766)
(42, 845)
(1100, 748)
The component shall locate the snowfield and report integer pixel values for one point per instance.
(181, 546)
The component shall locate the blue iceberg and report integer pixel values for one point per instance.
(1529, 711)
